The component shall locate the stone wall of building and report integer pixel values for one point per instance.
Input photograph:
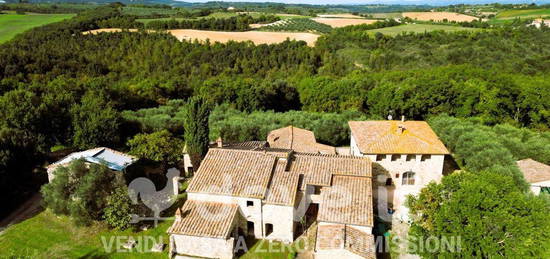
(282, 220)
(250, 209)
(202, 246)
(535, 187)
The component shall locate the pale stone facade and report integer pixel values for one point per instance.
(536, 187)
(202, 246)
(250, 209)
(282, 220)
(398, 175)
(536, 174)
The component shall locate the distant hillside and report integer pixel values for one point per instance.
(254, 6)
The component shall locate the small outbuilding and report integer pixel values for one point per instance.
(206, 229)
(536, 174)
(115, 160)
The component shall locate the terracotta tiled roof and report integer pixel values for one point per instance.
(247, 144)
(283, 186)
(330, 237)
(385, 137)
(318, 169)
(534, 171)
(205, 219)
(234, 172)
(360, 243)
(340, 236)
(347, 201)
(297, 139)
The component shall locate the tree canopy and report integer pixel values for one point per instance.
(492, 218)
(160, 146)
(81, 190)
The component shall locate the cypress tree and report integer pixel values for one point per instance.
(196, 129)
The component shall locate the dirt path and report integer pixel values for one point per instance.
(27, 210)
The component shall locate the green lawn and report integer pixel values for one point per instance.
(49, 236)
(13, 24)
(419, 28)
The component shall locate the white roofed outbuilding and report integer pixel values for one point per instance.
(115, 160)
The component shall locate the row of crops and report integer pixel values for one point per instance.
(146, 11)
(298, 24)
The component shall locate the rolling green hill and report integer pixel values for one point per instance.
(13, 24)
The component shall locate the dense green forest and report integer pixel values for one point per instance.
(59, 87)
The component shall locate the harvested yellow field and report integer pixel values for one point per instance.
(339, 15)
(342, 22)
(107, 30)
(439, 16)
(258, 37)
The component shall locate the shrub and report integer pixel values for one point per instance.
(160, 146)
(81, 190)
(119, 208)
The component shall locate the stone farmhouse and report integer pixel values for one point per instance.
(266, 193)
(536, 174)
(115, 160)
(297, 139)
(266, 190)
(406, 156)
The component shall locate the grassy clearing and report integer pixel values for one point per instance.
(530, 13)
(49, 236)
(419, 28)
(13, 24)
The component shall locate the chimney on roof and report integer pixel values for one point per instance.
(401, 126)
(219, 142)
